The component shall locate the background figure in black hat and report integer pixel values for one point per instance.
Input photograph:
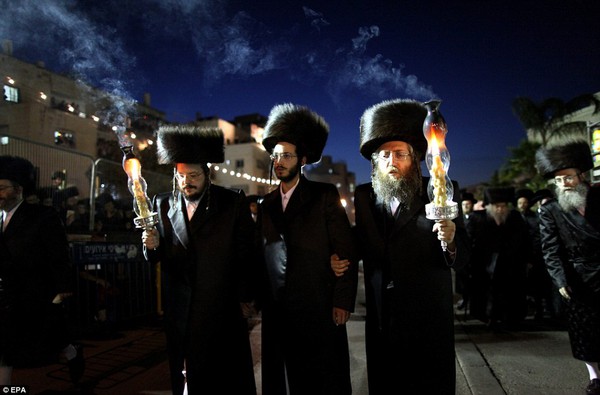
(204, 245)
(34, 276)
(306, 306)
(539, 284)
(59, 195)
(500, 255)
(570, 235)
(463, 274)
(408, 278)
(253, 205)
(553, 303)
(541, 196)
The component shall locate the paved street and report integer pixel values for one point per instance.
(535, 360)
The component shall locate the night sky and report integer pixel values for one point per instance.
(229, 58)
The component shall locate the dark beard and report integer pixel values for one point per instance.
(405, 189)
(293, 172)
(574, 199)
(193, 196)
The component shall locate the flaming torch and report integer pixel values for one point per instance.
(437, 158)
(145, 219)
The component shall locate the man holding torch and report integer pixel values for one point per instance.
(204, 246)
(408, 279)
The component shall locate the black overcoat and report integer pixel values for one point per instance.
(34, 268)
(301, 291)
(500, 254)
(205, 263)
(571, 248)
(408, 285)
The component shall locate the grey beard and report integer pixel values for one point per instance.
(405, 188)
(573, 200)
(500, 218)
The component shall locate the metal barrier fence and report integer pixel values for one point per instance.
(113, 282)
(114, 285)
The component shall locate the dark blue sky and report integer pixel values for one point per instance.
(231, 58)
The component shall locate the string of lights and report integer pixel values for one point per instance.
(246, 176)
(71, 108)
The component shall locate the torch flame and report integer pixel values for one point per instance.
(436, 137)
(437, 158)
(435, 134)
(133, 168)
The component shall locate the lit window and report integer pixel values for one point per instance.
(11, 94)
(64, 138)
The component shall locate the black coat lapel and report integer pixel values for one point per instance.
(207, 208)
(403, 217)
(272, 205)
(176, 216)
(18, 218)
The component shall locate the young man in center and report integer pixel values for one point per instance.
(304, 339)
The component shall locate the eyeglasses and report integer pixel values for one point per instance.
(3, 187)
(189, 176)
(387, 155)
(282, 156)
(561, 180)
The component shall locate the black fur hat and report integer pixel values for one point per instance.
(575, 154)
(189, 144)
(19, 170)
(498, 195)
(400, 120)
(296, 125)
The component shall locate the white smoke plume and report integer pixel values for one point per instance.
(93, 41)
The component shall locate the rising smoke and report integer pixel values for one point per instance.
(93, 41)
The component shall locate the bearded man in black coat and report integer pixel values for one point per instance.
(501, 251)
(204, 244)
(306, 306)
(570, 236)
(408, 276)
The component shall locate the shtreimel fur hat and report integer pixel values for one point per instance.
(19, 170)
(189, 144)
(393, 120)
(296, 125)
(574, 154)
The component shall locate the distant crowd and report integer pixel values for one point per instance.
(110, 215)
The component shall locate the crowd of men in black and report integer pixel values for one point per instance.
(110, 215)
(506, 280)
(301, 270)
